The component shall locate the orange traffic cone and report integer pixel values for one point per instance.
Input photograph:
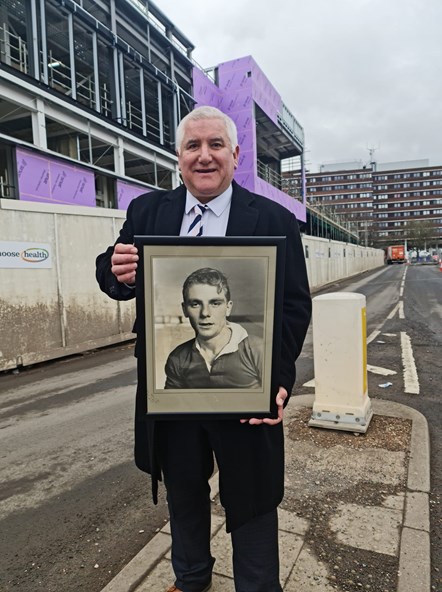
(440, 264)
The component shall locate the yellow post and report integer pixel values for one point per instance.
(340, 361)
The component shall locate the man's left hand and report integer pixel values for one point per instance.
(280, 398)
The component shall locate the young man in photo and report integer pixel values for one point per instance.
(222, 354)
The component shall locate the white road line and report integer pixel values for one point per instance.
(401, 310)
(399, 307)
(379, 370)
(372, 336)
(393, 312)
(401, 291)
(411, 380)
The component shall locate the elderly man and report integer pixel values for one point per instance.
(249, 453)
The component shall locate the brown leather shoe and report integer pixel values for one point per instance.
(175, 589)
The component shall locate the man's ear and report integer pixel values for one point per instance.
(235, 157)
(183, 307)
(229, 308)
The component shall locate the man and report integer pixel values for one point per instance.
(222, 355)
(249, 453)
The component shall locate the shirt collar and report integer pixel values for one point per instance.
(217, 205)
(238, 334)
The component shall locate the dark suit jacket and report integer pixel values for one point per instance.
(160, 213)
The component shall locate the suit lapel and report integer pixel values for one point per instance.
(243, 216)
(170, 213)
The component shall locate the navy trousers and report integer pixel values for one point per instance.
(187, 452)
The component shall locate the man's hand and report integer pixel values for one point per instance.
(124, 263)
(280, 398)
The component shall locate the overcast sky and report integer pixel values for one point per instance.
(357, 74)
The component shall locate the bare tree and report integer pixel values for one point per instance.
(420, 234)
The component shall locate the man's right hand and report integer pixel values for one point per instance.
(124, 263)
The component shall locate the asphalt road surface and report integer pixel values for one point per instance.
(74, 509)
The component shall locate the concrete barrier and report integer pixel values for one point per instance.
(47, 313)
(329, 260)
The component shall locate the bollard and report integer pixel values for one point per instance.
(340, 361)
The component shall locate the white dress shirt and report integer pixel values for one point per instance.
(216, 216)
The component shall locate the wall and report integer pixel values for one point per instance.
(46, 313)
(329, 260)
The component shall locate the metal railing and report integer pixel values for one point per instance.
(272, 177)
(7, 191)
(13, 50)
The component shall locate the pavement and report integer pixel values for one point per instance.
(355, 514)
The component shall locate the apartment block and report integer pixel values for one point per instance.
(382, 203)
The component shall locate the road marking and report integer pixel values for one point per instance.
(411, 380)
(401, 291)
(379, 370)
(393, 312)
(389, 334)
(399, 307)
(372, 336)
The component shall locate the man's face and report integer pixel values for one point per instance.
(207, 310)
(206, 159)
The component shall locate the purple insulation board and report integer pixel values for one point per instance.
(45, 179)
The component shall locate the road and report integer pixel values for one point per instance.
(74, 509)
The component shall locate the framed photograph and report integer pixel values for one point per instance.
(209, 313)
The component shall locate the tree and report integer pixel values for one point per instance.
(420, 234)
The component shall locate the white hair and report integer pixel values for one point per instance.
(207, 112)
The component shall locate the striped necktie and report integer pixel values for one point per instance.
(196, 227)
